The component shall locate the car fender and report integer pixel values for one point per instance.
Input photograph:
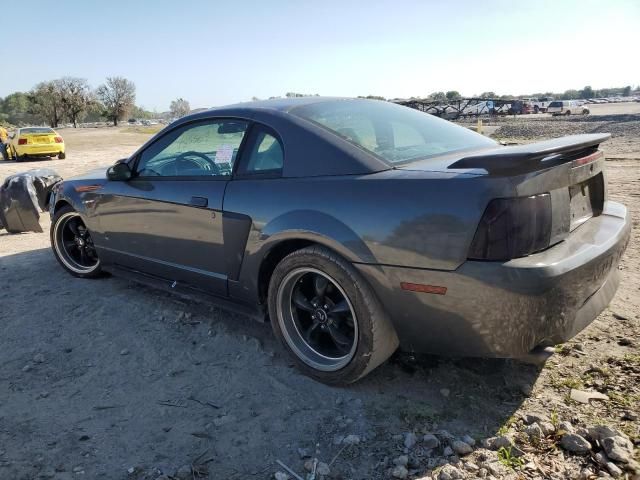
(301, 225)
(65, 193)
(77, 197)
(318, 227)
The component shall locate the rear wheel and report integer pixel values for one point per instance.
(568, 112)
(327, 317)
(62, 156)
(72, 244)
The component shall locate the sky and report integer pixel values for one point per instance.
(219, 52)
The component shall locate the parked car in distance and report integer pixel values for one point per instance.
(520, 107)
(538, 105)
(356, 226)
(36, 142)
(567, 107)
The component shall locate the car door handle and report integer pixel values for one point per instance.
(201, 202)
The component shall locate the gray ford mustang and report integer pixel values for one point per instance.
(357, 226)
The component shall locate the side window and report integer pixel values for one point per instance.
(202, 149)
(266, 154)
(355, 128)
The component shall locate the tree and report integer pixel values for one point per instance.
(373, 97)
(46, 101)
(179, 108)
(587, 92)
(296, 94)
(488, 95)
(140, 112)
(118, 96)
(453, 95)
(570, 95)
(626, 91)
(75, 97)
(16, 109)
(438, 97)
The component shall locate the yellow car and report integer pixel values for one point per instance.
(36, 142)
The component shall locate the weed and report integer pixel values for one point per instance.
(508, 459)
(568, 382)
(504, 429)
(418, 412)
(555, 421)
(632, 358)
(146, 130)
(622, 399)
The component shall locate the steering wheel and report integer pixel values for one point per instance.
(182, 158)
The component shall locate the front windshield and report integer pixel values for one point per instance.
(394, 133)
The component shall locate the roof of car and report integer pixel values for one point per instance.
(311, 149)
(284, 104)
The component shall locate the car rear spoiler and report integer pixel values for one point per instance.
(533, 156)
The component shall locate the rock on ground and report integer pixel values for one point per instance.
(574, 443)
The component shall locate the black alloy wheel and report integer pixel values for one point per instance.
(73, 245)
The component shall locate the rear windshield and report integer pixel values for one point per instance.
(36, 130)
(394, 133)
(555, 104)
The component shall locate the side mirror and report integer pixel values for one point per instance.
(119, 172)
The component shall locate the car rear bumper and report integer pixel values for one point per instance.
(506, 309)
(40, 150)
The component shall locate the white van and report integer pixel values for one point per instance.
(567, 107)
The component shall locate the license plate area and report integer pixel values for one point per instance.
(43, 139)
(586, 200)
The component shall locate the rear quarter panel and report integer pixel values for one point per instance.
(414, 219)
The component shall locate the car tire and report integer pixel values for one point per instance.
(373, 338)
(536, 109)
(69, 257)
(568, 112)
(62, 156)
(585, 112)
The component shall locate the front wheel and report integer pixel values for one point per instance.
(62, 156)
(328, 317)
(72, 244)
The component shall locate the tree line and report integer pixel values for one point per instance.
(586, 93)
(71, 99)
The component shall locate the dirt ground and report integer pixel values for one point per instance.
(108, 379)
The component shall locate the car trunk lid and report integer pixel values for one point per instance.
(511, 160)
(39, 138)
(577, 186)
(527, 158)
(568, 171)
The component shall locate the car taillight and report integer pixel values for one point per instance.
(22, 141)
(58, 139)
(512, 228)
